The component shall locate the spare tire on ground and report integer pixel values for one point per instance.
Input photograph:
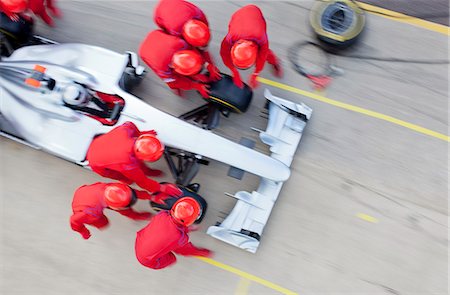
(337, 23)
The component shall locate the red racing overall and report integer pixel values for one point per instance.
(88, 205)
(171, 15)
(157, 51)
(39, 8)
(160, 239)
(247, 23)
(111, 155)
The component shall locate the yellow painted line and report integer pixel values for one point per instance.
(247, 276)
(356, 109)
(367, 217)
(403, 18)
(242, 287)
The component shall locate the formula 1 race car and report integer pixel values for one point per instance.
(59, 97)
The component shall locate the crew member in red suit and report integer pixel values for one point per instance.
(246, 44)
(183, 19)
(89, 202)
(120, 154)
(175, 62)
(13, 8)
(40, 7)
(166, 234)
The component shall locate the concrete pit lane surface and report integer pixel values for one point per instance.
(365, 210)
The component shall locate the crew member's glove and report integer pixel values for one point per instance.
(237, 81)
(214, 73)
(253, 82)
(160, 198)
(39, 8)
(203, 89)
(86, 234)
(170, 189)
(201, 78)
(13, 16)
(151, 132)
(277, 70)
(203, 252)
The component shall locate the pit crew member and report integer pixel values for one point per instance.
(176, 62)
(247, 44)
(166, 234)
(120, 155)
(89, 202)
(183, 19)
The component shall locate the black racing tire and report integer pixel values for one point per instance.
(130, 80)
(18, 33)
(186, 193)
(228, 96)
(6, 47)
(338, 24)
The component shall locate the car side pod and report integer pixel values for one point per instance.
(244, 225)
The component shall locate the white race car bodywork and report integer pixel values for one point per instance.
(244, 225)
(42, 120)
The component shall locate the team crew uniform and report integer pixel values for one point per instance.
(248, 23)
(160, 239)
(172, 15)
(157, 52)
(89, 203)
(112, 155)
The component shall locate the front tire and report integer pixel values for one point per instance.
(130, 79)
(168, 203)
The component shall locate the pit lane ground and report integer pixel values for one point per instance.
(364, 211)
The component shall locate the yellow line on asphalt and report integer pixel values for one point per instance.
(367, 217)
(242, 287)
(356, 109)
(403, 18)
(247, 276)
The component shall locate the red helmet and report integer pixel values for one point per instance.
(14, 6)
(148, 148)
(196, 33)
(118, 195)
(185, 211)
(244, 53)
(187, 62)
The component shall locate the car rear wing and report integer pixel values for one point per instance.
(244, 225)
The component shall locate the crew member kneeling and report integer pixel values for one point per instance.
(183, 19)
(166, 234)
(120, 155)
(89, 201)
(246, 44)
(175, 62)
